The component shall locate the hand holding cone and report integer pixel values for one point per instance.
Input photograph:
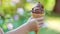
(38, 12)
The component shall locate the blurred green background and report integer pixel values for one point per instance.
(14, 13)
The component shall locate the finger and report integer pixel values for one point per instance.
(40, 23)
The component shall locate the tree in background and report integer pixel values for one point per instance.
(57, 7)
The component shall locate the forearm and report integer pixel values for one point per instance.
(21, 30)
(25, 28)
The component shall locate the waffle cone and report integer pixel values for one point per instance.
(37, 15)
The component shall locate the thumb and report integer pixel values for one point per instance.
(31, 19)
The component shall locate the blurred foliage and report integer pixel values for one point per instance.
(46, 31)
(10, 7)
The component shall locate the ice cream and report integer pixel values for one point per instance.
(38, 11)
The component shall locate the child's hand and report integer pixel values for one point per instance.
(36, 23)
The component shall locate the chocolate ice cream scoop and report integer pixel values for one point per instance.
(39, 9)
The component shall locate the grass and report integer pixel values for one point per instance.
(46, 31)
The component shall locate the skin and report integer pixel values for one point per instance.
(30, 25)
